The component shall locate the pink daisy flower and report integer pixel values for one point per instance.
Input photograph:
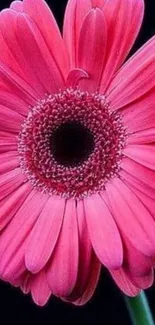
(77, 155)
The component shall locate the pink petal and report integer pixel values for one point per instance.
(86, 255)
(85, 247)
(133, 218)
(75, 76)
(10, 121)
(35, 50)
(124, 19)
(17, 6)
(19, 280)
(8, 143)
(138, 184)
(9, 139)
(44, 235)
(139, 115)
(93, 279)
(13, 266)
(7, 136)
(144, 198)
(130, 19)
(103, 232)
(143, 282)
(143, 154)
(132, 109)
(92, 283)
(10, 181)
(40, 289)
(14, 102)
(11, 53)
(135, 78)
(14, 237)
(63, 268)
(135, 263)
(17, 85)
(76, 11)
(94, 29)
(8, 161)
(26, 283)
(44, 19)
(11, 204)
(124, 283)
(139, 172)
(98, 3)
(142, 137)
(6, 55)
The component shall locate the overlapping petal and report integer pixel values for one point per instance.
(93, 35)
(75, 13)
(140, 224)
(17, 5)
(12, 55)
(13, 240)
(124, 283)
(8, 142)
(142, 174)
(40, 289)
(12, 203)
(92, 283)
(123, 20)
(107, 244)
(142, 137)
(10, 121)
(9, 181)
(45, 38)
(35, 50)
(63, 268)
(44, 235)
(134, 79)
(16, 85)
(40, 13)
(86, 256)
(143, 154)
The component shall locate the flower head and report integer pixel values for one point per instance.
(77, 133)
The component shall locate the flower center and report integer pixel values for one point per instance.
(71, 144)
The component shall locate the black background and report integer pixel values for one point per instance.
(107, 306)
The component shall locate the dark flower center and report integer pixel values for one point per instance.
(71, 144)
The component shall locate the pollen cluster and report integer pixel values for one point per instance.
(101, 153)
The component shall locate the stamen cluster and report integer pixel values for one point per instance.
(38, 160)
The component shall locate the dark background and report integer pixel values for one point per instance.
(107, 306)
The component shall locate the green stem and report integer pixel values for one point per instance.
(139, 310)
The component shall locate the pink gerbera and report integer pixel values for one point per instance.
(77, 155)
